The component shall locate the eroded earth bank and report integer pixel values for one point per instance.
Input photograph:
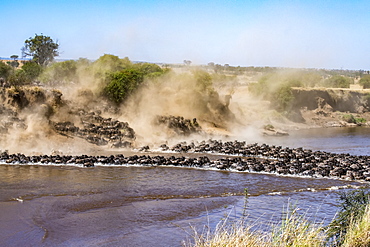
(43, 125)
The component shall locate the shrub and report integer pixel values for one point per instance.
(203, 81)
(62, 72)
(365, 81)
(5, 70)
(283, 96)
(121, 84)
(18, 78)
(338, 81)
(109, 64)
(277, 89)
(32, 70)
(349, 118)
(358, 234)
(352, 208)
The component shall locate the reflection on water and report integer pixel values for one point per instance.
(147, 206)
(355, 141)
(137, 206)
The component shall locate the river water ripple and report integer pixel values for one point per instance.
(155, 206)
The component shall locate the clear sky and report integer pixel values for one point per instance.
(311, 33)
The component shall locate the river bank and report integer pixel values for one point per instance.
(147, 205)
(231, 156)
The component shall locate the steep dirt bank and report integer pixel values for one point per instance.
(320, 107)
(310, 108)
(42, 120)
(343, 100)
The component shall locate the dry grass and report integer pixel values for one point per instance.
(236, 235)
(358, 234)
(295, 230)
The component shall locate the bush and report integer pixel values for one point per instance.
(349, 118)
(62, 72)
(277, 89)
(204, 82)
(5, 70)
(109, 63)
(352, 208)
(121, 84)
(18, 78)
(32, 70)
(338, 81)
(365, 81)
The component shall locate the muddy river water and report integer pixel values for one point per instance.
(157, 206)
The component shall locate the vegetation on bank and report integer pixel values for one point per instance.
(277, 87)
(349, 118)
(365, 81)
(350, 228)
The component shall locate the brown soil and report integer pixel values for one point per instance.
(30, 117)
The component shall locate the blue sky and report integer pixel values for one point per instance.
(315, 34)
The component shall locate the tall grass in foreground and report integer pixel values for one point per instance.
(294, 230)
(237, 234)
(350, 228)
(297, 230)
(358, 234)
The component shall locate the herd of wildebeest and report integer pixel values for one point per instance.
(216, 154)
(222, 155)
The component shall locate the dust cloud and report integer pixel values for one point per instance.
(223, 107)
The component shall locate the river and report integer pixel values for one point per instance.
(158, 206)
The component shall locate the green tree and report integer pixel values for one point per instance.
(15, 62)
(365, 81)
(150, 70)
(61, 72)
(109, 63)
(41, 48)
(32, 70)
(18, 78)
(203, 81)
(338, 81)
(121, 84)
(277, 89)
(5, 70)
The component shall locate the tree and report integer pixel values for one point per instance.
(109, 63)
(32, 70)
(187, 62)
(26, 75)
(18, 78)
(203, 81)
(41, 48)
(5, 70)
(365, 81)
(61, 72)
(15, 62)
(338, 81)
(150, 70)
(121, 84)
